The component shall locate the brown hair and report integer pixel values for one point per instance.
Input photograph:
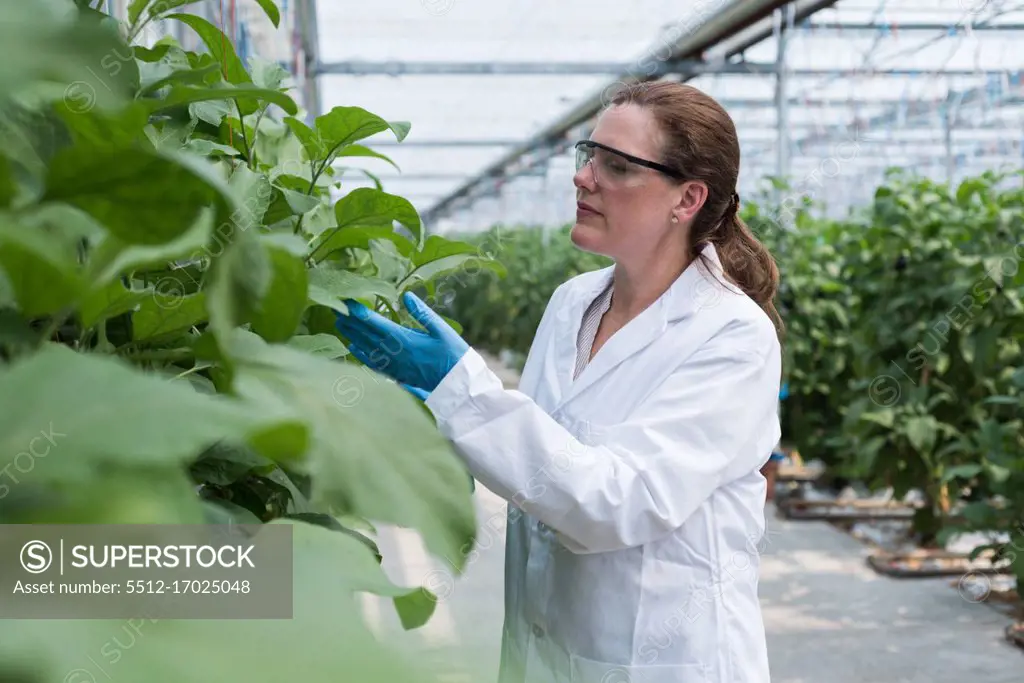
(702, 144)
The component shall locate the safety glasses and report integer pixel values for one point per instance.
(614, 168)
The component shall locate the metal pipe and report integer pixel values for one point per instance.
(686, 68)
(832, 26)
(309, 32)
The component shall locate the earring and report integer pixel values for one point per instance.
(675, 219)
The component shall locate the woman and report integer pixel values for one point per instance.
(630, 453)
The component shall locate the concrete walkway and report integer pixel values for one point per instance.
(829, 617)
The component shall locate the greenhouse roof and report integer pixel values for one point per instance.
(929, 84)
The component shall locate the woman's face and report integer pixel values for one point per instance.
(624, 208)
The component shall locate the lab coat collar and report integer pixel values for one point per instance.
(697, 287)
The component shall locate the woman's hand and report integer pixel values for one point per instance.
(415, 358)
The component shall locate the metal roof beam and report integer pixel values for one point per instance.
(695, 67)
(966, 125)
(896, 29)
(684, 68)
(738, 21)
(915, 110)
(443, 143)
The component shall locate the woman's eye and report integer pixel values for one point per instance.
(617, 168)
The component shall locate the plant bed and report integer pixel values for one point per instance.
(928, 563)
(798, 473)
(792, 508)
(1015, 634)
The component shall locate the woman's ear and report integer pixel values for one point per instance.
(691, 201)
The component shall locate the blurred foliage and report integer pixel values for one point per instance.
(904, 355)
(172, 254)
(501, 313)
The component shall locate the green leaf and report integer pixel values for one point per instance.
(293, 244)
(997, 473)
(219, 47)
(42, 276)
(224, 464)
(450, 264)
(271, 9)
(329, 287)
(141, 196)
(437, 247)
(113, 257)
(98, 129)
(921, 432)
(883, 417)
(267, 74)
(8, 188)
(208, 148)
(285, 301)
(253, 193)
(287, 203)
(329, 522)
(415, 608)
(1003, 400)
(225, 512)
(344, 125)
(180, 95)
(142, 420)
(135, 10)
(361, 238)
(961, 472)
(368, 206)
(197, 76)
(324, 345)
(239, 281)
(109, 301)
(165, 313)
(307, 136)
(47, 50)
(391, 265)
(360, 459)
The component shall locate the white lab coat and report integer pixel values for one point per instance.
(636, 500)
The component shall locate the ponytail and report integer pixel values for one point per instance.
(746, 262)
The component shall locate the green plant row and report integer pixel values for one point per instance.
(174, 241)
(903, 347)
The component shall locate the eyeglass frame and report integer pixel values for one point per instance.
(662, 168)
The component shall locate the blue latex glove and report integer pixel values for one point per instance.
(418, 393)
(784, 391)
(415, 358)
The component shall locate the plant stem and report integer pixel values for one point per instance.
(255, 134)
(309, 193)
(241, 125)
(55, 324)
(195, 368)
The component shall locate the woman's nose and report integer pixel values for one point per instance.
(584, 178)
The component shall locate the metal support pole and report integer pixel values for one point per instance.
(948, 129)
(310, 33)
(783, 27)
